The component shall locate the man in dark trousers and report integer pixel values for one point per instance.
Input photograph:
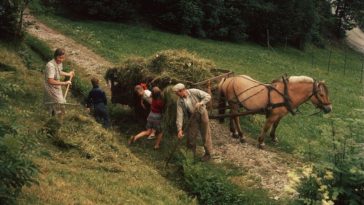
(97, 99)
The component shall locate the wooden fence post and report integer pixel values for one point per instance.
(362, 70)
(285, 45)
(345, 61)
(329, 63)
(268, 40)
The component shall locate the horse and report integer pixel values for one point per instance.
(275, 100)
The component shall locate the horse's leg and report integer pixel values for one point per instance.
(268, 123)
(273, 131)
(237, 124)
(238, 131)
(234, 123)
(222, 106)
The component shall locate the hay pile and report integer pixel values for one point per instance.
(163, 69)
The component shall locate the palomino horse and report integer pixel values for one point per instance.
(275, 100)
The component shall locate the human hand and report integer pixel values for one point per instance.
(180, 134)
(198, 105)
(72, 73)
(68, 82)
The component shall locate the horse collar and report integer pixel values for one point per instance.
(286, 99)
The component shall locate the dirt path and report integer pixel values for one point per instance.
(268, 167)
(83, 57)
(355, 39)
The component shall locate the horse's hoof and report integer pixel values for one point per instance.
(236, 136)
(242, 140)
(275, 140)
(261, 146)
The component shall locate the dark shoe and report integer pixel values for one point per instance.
(206, 157)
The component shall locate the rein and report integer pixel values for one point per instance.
(286, 98)
(286, 103)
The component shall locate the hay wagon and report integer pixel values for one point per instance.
(124, 94)
(164, 69)
(210, 85)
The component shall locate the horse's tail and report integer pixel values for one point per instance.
(222, 100)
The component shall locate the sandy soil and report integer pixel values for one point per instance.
(267, 167)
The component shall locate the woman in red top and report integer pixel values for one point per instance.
(153, 120)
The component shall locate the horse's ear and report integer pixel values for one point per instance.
(322, 82)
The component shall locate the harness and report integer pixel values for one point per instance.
(287, 103)
(286, 99)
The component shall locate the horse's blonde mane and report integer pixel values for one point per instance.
(300, 79)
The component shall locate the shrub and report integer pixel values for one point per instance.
(8, 90)
(212, 186)
(103, 9)
(341, 179)
(80, 87)
(11, 15)
(16, 170)
(39, 47)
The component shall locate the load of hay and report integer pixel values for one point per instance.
(163, 69)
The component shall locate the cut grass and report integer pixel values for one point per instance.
(298, 134)
(96, 169)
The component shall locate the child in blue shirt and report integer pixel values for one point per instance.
(97, 99)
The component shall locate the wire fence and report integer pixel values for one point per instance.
(340, 62)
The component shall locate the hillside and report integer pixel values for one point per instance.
(82, 163)
(338, 65)
(86, 164)
(272, 175)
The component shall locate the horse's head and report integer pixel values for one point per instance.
(320, 97)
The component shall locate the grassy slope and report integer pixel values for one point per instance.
(96, 169)
(300, 134)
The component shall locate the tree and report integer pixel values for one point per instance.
(348, 14)
(11, 15)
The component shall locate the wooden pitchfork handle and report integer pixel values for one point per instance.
(68, 87)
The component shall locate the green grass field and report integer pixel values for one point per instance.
(297, 134)
(84, 164)
(117, 172)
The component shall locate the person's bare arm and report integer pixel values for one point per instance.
(51, 81)
(69, 74)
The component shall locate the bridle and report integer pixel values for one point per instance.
(315, 92)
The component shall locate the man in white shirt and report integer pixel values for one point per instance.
(192, 104)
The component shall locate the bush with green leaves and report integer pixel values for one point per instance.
(11, 15)
(212, 185)
(8, 90)
(257, 20)
(340, 180)
(39, 47)
(103, 9)
(80, 87)
(16, 169)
